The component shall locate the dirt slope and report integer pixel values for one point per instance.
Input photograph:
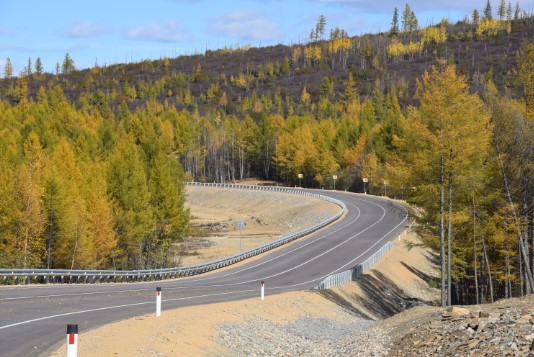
(266, 216)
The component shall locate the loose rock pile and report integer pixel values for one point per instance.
(304, 337)
(481, 331)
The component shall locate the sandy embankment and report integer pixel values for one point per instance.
(197, 330)
(266, 216)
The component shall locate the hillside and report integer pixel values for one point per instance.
(198, 82)
(92, 162)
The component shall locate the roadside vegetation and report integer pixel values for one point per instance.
(92, 162)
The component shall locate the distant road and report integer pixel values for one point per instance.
(33, 318)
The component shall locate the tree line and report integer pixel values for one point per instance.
(91, 183)
(80, 190)
(87, 187)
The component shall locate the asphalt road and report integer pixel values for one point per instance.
(33, 318)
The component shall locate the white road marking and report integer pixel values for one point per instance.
(117, 307)
(220, 285)
(164, 283)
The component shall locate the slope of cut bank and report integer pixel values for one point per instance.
(311, 323)
(264, 216)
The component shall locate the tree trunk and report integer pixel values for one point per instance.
(508, 280)
(442, 230)
(521, 280)
(525, 214)
(74, 249)
(482, 283)
(490, 280)
(529, 276)
(449, 234)
(475, 247)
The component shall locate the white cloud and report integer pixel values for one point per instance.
(86, 29)
(245, 25)
(416, 5)
(169, 32)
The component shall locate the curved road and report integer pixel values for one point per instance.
(33, 318)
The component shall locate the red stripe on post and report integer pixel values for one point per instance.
(71, 339)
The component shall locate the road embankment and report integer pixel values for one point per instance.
(329, 323)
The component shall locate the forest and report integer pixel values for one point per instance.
(93, 162)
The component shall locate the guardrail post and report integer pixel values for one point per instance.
(72, 340)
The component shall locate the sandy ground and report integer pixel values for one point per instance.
(266, 217)
(193, 331)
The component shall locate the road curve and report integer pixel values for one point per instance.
(33, 318)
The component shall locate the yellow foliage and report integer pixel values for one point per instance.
(434, 34)
(241, 81)
(312, 53)
(397, 49)
(490, 28)
(305, 96)
(340, 43)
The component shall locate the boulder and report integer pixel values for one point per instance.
(455, 311)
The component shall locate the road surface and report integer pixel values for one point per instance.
(33, 318)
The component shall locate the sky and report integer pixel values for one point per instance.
(105, 32)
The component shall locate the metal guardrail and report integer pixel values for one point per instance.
(63, 276)
(346, 276)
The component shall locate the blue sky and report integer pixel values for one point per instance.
(118, 31)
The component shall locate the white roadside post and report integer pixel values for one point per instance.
(72, 340)
(262, 290)
(158, 301)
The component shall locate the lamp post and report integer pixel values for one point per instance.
(300, 176)
(365, 180)
(335, 178)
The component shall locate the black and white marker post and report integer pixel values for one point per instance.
(72, 340)
(262, 290)
(158, 301)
